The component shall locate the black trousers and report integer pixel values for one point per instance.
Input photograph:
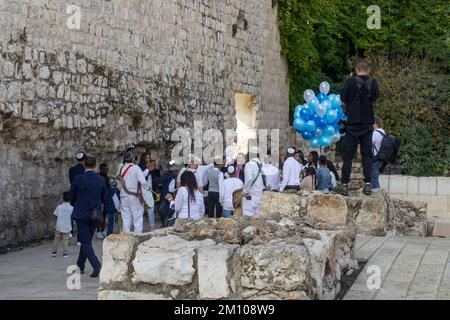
(213, 204)
(86, 230)
(355, 135)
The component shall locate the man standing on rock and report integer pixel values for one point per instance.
(358, 95)
(254, 185)
(88, 192)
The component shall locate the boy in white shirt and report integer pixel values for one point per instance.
(63, 227)
(226, 192)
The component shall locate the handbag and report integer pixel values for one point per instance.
(95, 215)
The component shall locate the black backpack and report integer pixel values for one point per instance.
(360, 83)
(389, 149)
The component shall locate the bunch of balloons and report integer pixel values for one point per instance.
(317, 120)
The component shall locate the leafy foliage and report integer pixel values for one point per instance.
(410, 56)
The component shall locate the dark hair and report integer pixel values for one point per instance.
(189, 181)
(66, 196)
(362, 65)
(310, 171)
(142, 163)
(323, 160)
(315, 156)
(91, 162)
(378, 121)
(103, 166)
(332, 168)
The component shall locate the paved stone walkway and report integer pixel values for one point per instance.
(32, 274)
(411, 268)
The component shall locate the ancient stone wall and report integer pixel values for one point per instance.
(130, 74)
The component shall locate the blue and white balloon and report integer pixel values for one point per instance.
(324, 87)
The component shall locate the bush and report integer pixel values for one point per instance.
(410, 56)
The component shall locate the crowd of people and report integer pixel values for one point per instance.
(231, 186)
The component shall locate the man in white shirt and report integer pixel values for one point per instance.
(291, 172)
(131, 208)
(377, 138)
(272, 174)
(254, 186)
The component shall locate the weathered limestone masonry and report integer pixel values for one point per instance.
(132, 73)
(229, 258)
(375, 215)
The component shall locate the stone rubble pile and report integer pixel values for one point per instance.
(375, 215)
(228, 258)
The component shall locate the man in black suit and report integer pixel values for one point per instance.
(88, 191)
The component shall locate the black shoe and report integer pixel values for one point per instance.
(367, 189)
(95, 274)
(342, 189)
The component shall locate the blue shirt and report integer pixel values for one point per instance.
(323, 178)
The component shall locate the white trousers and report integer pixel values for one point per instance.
(132, 212)
(250, 208)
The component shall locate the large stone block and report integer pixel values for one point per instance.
(284, 204)
(213, 273)
(166, 260)
(118, 250)
(413, 185)
(443, 186)
(371, 219)
(398, 184)
(275, 267)
(328, 208)
(427, 185)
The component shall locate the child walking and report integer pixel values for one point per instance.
(63, 227)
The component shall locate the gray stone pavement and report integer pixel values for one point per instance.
(32, 274)
(411, 268)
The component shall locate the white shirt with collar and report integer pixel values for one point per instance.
(63, 212)
(291, 173)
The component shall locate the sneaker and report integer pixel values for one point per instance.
(105, 234)
(367, 189)
(79, 244)
(70, 236)
(376, 190)
(54, 254)
(100, 235)
(66, 255)
(342, 189)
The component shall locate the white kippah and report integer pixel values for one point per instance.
(171, 162)
(291, 150)
(80, 156)
(230, 169)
